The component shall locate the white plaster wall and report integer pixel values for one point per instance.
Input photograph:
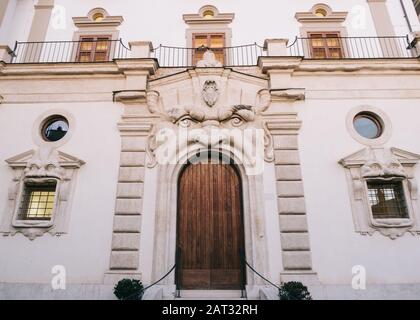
(324, 140)
(17, 22)
(161, 21)
(85, 250)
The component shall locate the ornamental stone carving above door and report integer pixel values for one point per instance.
(206, 109)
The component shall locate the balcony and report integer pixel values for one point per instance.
(354, 48)
(319, 48)
(69, 51)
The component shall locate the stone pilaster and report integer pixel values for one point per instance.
(124, 261)
(381, 18)
(134, 128)
(41, 20)
(296, 251)
(283, 123)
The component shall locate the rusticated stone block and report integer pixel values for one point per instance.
(129, 206)
(126, 241)
(129, 190)
(127, 223)
(289, 142)
(293, 223)
(286, 157)
(292, 205)
(131, 174)
(288, 172)
(133, 144)
(124, 260)
(289, 189)
(297, 260)
(295, 241)
(132, 159)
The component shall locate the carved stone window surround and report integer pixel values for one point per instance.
(382, 164)
(88, 26)
(218, 24)
(311, 22)
(41, 166)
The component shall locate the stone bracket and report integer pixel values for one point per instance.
(289, 94)
(130, 96)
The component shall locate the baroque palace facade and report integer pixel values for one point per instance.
(279, 137)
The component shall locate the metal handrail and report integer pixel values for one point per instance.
(370, 47)
(65, 51)
(242, 256)
(184, 57)
(153, 284)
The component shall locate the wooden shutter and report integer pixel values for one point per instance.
(94, 48)
(213, 41)
(325, 45)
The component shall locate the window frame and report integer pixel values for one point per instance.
(39, 223)
(325, 46)
(389, 222)
(374, 118)
(214, 50)
(93, 50)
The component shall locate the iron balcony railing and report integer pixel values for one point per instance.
(239, 56)
(69, 51)
(353, 48)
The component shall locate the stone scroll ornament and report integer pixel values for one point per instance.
(203, 119)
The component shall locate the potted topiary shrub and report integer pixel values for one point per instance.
(129, 289)
(294, 291)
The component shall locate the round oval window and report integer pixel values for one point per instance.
(55, 128)
(368, 125)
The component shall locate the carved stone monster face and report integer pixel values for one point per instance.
(210, 92)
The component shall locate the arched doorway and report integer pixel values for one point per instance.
(210, 227)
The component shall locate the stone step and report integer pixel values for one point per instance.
(211, 295)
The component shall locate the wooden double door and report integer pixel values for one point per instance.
(210, 231)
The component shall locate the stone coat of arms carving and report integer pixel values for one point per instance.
(210, 92)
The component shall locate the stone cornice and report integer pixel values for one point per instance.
(282, 123)
(309, 17)
(278, 63)
(298, 64)
(109, 21)
(135, 126)
(145, 65)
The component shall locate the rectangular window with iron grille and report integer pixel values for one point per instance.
(37, 201)
(387, 200)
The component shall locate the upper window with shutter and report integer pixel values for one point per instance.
(325, 45)
(94, 48)
(213, 41)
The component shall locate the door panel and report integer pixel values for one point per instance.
(210, 228)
